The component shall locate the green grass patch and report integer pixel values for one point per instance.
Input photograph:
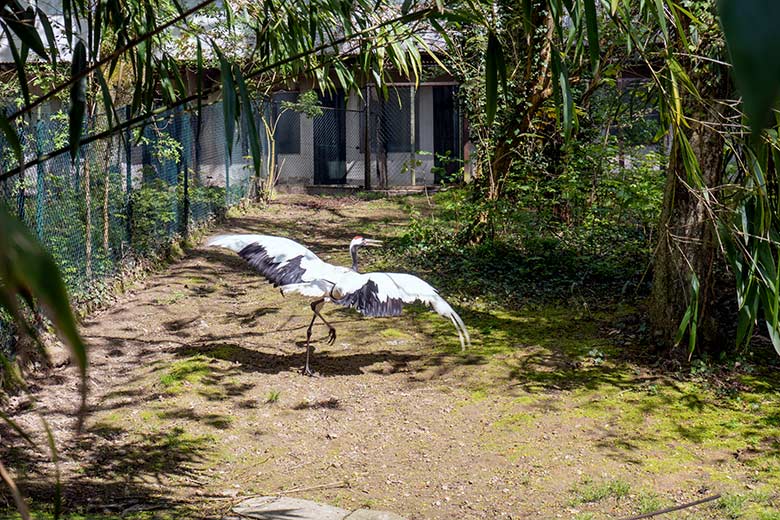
(650, 502)
(391, 333)
(589, 492)
(732, 505)
(189, 370)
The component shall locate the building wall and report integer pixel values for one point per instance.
(404, 168)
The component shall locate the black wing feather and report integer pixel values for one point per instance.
(257, 256)
(366, 301)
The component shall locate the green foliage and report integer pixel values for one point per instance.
(749, 26)
(308, 104)
(589, 229)
(189, 370)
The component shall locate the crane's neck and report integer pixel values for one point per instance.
(353, 251)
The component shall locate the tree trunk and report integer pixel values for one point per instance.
(688, 241)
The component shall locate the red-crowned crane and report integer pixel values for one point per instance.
(296, 269)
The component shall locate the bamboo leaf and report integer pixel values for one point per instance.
(21, 505)
(26, 267)
(49, 32)
(750, 27)
(254, 139)
(659, 7)
(18, 429)
(593, 34)
(78, 98)
(23, 26)
(96, 31)
(20, 64)
(229, 102)
(105, 93)
(683, 326)
(12, 138)
(567, 99)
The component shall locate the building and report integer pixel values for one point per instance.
(412, 138)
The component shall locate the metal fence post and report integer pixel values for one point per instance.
(367, 140)
(20, 183)
(40, 187)
(186, 139)
(412, 130)
(128, 180)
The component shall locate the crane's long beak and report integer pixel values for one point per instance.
(373, 243)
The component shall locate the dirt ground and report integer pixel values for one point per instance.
(197, 402)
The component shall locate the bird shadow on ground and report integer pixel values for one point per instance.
(324, 362)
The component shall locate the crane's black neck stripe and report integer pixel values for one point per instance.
(278, 274)
(366, 300)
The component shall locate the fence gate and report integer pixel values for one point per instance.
(330, 141)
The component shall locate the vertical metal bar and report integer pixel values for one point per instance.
(367, 140)
(185, 164)
(412, 130)
(39, 191)
(21, 183)
(128, 179)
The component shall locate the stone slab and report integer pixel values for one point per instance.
(286, 508)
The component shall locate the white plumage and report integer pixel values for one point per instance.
(296, 269)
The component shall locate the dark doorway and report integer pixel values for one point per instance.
(446, 132)
(330, 141)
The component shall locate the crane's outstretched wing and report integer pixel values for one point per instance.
(383, 294)
(281, 260)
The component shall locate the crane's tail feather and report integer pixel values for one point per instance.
(441, 306)
(462, 330)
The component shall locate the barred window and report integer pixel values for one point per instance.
(397, 120)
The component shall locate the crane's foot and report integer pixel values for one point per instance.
(306, 371)
(332, 336)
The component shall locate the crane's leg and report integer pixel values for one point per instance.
(332, 330)
(315, 307)
(306, 370)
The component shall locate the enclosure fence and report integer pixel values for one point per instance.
(124, 197)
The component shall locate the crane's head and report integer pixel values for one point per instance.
(359, 241)
(356, 244)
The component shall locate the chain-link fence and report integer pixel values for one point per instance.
(124, 197)
(412, 137)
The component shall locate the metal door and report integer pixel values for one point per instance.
(446, 131)
(330, 141)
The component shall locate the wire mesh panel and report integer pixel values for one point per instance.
(122, 197)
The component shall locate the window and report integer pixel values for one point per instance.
(288, 128)
(396, 128)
